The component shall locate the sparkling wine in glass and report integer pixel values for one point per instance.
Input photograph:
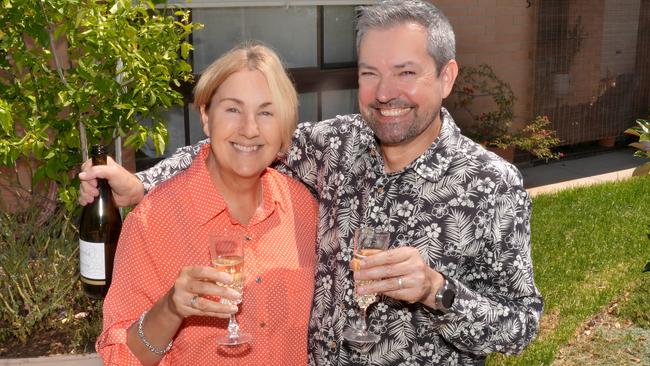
(227, 255)
(367, 241)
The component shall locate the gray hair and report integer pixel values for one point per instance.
(441, 42)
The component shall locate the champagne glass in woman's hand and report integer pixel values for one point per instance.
(227, 254)
(367, 241)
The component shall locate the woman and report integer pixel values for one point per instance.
(162, 282)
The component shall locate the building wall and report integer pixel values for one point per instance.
(620, 33)
(643, 60)
(500, 33)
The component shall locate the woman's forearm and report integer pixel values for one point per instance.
(159, 327)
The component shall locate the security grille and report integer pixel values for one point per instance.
(592, 66)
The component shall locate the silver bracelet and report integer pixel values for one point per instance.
(145, 341)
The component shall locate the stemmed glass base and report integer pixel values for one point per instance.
(242, 338)
(360, 336)
(234, 337)
(358, 332)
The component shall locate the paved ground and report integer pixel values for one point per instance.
(558, 175)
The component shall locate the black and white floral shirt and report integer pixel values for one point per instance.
(464, 208)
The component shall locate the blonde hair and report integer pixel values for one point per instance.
(254, 56)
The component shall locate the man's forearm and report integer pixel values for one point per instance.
(169, 167)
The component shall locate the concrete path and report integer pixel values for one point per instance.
(562, 174)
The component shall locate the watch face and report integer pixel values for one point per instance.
(448, 298)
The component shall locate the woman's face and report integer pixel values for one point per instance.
(242, 123)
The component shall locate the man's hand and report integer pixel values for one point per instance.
(401, 274)
(127, 188)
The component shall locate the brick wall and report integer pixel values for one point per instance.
(500, 33)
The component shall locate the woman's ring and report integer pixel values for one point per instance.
(400, 283)
(195, 298)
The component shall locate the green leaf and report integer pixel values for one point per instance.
(641, 145)
(184, 66)
(6, 120)
(152, 99)
(632, 131)
(185, 50)
(158, 143)
(115, 7)
(72, 140)
(39, 174)
(137, 139)
(644, 125)
(53, 168)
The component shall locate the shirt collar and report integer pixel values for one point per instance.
(206, 202)
(433, 164)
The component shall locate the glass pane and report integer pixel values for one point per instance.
(175, 129)
(337, 102)
(290, 31)
(308, 108)
(338, 34)
(196, 129)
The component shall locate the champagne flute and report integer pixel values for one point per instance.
(227, 254)
(367, 241)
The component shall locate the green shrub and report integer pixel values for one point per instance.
(642, 131)
(78, 72)
(40, 292)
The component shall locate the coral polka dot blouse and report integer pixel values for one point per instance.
(169, 229)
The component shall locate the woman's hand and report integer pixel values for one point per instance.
(166, 316)
(196, 292)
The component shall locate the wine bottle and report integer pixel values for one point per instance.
(99, 230)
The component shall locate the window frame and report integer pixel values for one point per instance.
(323, 77)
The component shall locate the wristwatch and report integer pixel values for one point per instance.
(445, 296)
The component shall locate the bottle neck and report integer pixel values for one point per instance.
(99, 159)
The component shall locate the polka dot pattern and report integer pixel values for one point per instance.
(169, 230)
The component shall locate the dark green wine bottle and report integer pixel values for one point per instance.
(99, 230)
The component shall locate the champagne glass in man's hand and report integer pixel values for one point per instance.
(367, 241)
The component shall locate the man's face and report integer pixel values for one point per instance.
(400, 93)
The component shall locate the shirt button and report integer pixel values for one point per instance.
(333, 345)
(262, 324)
(258, 279)
(380, 190)
(248, 238)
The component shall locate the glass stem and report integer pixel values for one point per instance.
(362, 321)
(233, 327)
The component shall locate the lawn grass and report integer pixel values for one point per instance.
(637, 307)
(589, 246)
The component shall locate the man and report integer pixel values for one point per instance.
(457, 281)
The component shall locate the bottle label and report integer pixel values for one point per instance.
(91, 262)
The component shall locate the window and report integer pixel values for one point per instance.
(316, 42)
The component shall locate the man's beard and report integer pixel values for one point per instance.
(395, 133)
